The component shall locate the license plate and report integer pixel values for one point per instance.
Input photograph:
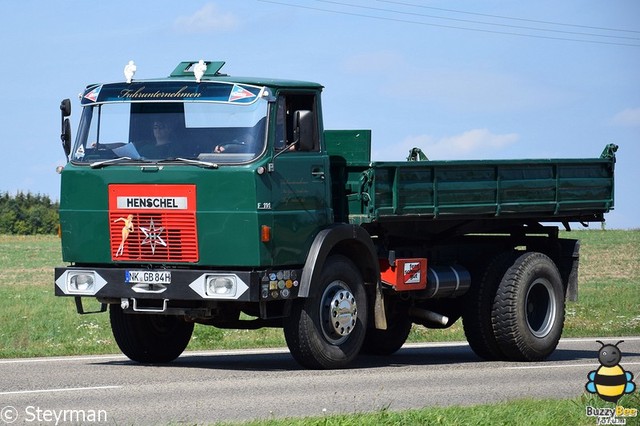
(147, 277)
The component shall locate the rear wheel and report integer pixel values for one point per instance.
(326, 329)
(477, 314)
(149, 338)
(529, 308)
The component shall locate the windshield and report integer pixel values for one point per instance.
(217, 132)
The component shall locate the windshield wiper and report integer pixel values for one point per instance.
(118, 160)
(97, 164)
(205, 164)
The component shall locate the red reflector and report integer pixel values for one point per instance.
(265, 233)
(406, 274)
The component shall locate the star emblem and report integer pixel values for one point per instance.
(152, 236)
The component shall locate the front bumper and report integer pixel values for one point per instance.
(180, 284)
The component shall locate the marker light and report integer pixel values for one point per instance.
(129, 71)
(199, 69)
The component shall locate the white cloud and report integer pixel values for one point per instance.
(628, 117)
(208, 19)
(472, 144)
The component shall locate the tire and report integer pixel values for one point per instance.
(528, 312)
(318, 334)
(478, 305)
(389, 341)
(149, 338)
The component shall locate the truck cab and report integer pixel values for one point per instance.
(214, 192)
(192, 198)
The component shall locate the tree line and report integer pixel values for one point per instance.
(28, 214)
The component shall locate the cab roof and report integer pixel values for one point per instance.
(189, 81)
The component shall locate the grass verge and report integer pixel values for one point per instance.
(520, 412)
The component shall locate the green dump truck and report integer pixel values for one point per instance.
(219, 200)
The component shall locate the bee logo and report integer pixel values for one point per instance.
(610, 381)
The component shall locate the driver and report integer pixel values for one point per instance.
(166, 144)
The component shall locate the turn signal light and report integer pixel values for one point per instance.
(265, 233)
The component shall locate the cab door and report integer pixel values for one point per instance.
(301, 197)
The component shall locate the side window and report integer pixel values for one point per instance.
(281, 120)
(287, 105)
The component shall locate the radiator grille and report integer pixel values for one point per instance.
(148, 231)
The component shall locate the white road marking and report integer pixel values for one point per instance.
(61, 359)
(532, 367)
(265, 351)
(272, 351)
(603, 339)
(59, 390)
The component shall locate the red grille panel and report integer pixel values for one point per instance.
(153, 223)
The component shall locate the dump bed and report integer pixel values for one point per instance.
(541, 190)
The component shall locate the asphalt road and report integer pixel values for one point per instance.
(205, 387)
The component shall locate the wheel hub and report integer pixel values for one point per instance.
(343, 312)
(339, 312)
(540, 308)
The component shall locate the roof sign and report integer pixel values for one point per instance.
(175, 91)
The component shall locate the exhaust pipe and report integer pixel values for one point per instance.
(429, 316)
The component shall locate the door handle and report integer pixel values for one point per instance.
(317, 173)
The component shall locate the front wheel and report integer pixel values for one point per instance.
(477, 317)
(326, 329)
(149, 338)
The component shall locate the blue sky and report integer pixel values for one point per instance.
(460, 79)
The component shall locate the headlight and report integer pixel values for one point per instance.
(81, 282)
(217, 285)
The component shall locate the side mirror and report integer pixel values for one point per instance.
(65, 107)
(65, 136)
(303, 128)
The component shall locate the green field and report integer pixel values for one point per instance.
(35, 323)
